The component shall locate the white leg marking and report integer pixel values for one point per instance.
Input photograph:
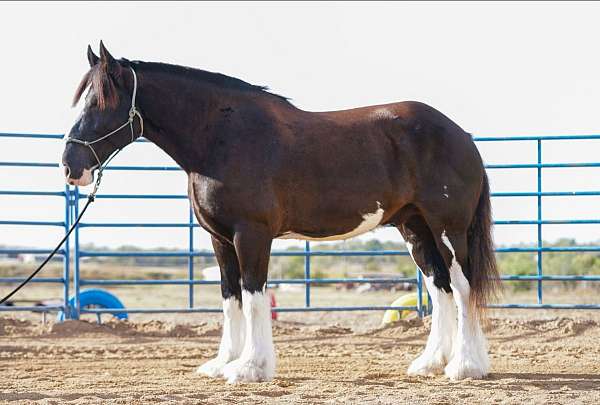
(409, 247)
(470, 352)
(257, 361)
(438, 350)
(232, 341)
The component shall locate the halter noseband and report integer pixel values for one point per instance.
(133, 112)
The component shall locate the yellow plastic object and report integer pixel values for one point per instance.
(407, 300)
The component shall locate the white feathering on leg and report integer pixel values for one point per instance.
(438, 349)
(232, 341)
(257, 360)
(470, 353)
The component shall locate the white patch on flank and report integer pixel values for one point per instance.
(370, 222)
(257, 360)
(445, 189)
(232, 340)
(382, 113)
(86, 179)
(438, 350)
(470, 353)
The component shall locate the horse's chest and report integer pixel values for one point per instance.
(206, 203)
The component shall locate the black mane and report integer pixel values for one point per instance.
(205, 76)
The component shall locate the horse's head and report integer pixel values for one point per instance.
(109, 120)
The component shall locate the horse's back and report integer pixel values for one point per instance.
(440, 157)
(408, 131)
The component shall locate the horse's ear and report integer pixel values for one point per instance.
(92, 57)
(108, 62)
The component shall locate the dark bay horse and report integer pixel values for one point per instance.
(260, 169)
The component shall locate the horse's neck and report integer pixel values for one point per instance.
(178, 126)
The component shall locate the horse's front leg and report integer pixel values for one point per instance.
(232, 341)
(257, 361)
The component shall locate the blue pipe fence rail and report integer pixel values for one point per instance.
(72, 249)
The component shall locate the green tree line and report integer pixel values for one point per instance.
(519, 263)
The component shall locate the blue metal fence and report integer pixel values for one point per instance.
(73, 197)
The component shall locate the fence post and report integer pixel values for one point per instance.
(307, 274)
(420, 310)
(191, 257)
(67, 254)
(539, 225)
(76, 267)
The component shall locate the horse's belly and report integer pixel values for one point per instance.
(369, 222)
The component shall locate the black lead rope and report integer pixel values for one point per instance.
(90, 199)
(133, 112)
(41, 266)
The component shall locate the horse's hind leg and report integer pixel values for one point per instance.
(470, 353)
(423, 249)
(232, 340)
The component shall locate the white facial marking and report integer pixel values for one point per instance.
(470, 353)
(232, 340)
(257, 360)
(382, 113)
(86, 179)
(370, 222)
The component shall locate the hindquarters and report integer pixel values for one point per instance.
(448, 229)
(453, 196)
(460, 275)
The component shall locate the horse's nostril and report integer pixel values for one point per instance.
(67, 171)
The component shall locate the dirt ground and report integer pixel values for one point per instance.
(554, 358)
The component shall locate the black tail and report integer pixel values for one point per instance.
(484, 277)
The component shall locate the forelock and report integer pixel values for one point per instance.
(100, 82)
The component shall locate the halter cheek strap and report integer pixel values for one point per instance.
(133, 112)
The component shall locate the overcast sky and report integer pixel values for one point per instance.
(494, 68)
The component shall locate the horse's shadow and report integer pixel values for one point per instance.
(547, 381)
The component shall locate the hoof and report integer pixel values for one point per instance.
(460, 368)
(212, 368)
(426, 366)
(248, 370)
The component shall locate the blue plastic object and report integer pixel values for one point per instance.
(98, 298)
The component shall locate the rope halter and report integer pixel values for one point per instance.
(133, 112)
